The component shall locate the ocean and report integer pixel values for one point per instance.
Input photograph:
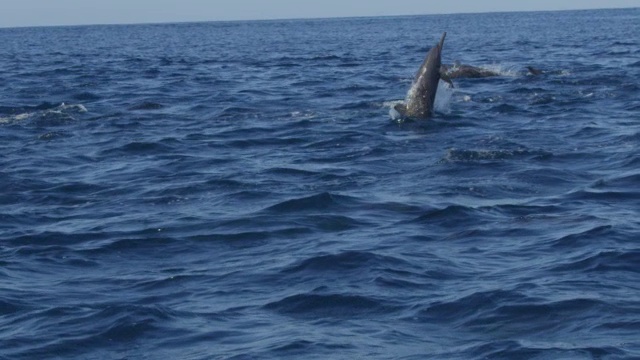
(243, 190)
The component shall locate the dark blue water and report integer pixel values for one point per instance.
(240, 190)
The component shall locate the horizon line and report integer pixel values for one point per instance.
(307, 18)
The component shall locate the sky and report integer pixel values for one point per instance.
(14, 13)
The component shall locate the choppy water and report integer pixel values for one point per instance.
(239, 190)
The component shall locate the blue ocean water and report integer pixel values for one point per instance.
(242, 190)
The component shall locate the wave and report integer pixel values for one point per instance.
(507, 109)
(319, 202)
(459, 155)
(147, 105)
(342, 306)
(625, 195)
(344, 262)
(585, 238)
(622, 182)
(86, 96)
(242, 239)
(603, 261)
(141, 148)
(516, 349)
(465, 309)
(96, 325)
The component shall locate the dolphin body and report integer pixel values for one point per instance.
(457, 71)
(420, 99)
(533, 71)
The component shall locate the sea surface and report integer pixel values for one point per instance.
(243, 190)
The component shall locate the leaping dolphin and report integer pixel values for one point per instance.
(422, 95)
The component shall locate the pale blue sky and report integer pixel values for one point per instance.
(73, 12)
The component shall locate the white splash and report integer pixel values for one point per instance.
(62, 108)
(500, 69)
(444, 94)
(303, 115)
(13, 118)
(77, 107)
(393, 113)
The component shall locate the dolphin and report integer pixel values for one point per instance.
(458, 70)
(534, 71)
(422, 95)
